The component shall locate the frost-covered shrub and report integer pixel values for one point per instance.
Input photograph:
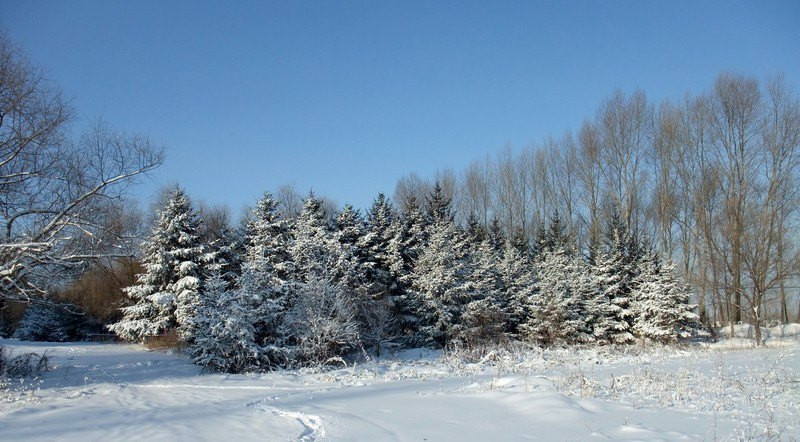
(21, 366)
(55, 322)
(322, 322)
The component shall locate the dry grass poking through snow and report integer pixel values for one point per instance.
(755, 387)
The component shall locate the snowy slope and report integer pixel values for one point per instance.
(123, 392)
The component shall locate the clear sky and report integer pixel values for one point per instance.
(347, 96)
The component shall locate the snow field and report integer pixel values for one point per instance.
(702, 392)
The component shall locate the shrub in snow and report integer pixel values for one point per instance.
(321, 323)
(23, 365)
(55, 322)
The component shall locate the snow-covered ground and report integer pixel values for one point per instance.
(723, 391)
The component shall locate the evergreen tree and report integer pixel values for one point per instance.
(662, 309)
(485, 314)
(167, 293)
(311, 244)
(322, 321)
(376, 243)
(265, 281)
(475, 231)
(495, 236)
(352, 269)
(440, 280)
(557, 309)
(408, 242)
(520, 242)
(440, 208)
(519, 284)
(612, 273)
(224, 255)
(225, 334)
(48, 320)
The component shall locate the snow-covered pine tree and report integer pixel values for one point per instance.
(48, 320)
(439, 205)
(485, 315)
(661, 304)
(171, 279)
(495, 236)
(224, 254)
(539, 241)
(267, 236)
(519, 241)
(410, 238)
(225, 338)
(440, 274)
(611, 310)
(375, 244)
(188, 256)
(351, 268)
(264, 283)
(311, 244)
(518, 280)
(583, 292)
(475, 231)
(555, 310)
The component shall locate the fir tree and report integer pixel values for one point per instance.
(376, 243)
(410, 238)
(225, 334)
(662, 309)
(264, 283)
(352, 268)
(485, 314)
(440, 208)
(224, 255)
(612, 304)
(475, 231)
(167, 292)
(440, 280)
(495, 235)
(556, 311)
(322, 322)
(311, 244)
(518, 281)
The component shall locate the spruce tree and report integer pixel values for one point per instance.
(440, 274)
(167, 293)
(352, 268)
(662, 309)
(264, 284)
(376, 243)
(556, 311)
(612, 274)
(225, 333)
(518, 281)
(408, 242)
(311, 245)
(485, 314)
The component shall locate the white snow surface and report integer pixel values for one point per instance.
(702, 392)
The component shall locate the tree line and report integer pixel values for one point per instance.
(711, 180)
(287, 291)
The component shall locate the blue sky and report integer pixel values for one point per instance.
(346, 97)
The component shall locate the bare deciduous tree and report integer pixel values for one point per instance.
(56, 194)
